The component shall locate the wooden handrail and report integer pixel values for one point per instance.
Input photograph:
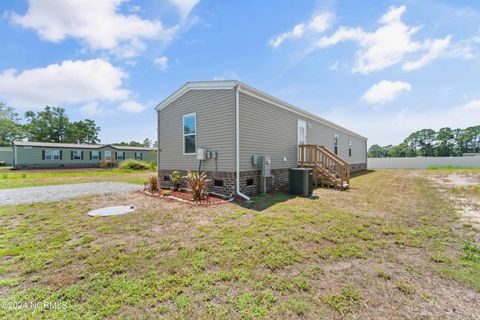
(325, 162)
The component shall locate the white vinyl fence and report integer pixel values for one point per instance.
(422, 162)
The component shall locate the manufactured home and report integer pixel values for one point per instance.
(247, 140)
(6, 156)
(44, 155)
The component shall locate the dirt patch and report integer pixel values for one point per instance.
(456, 186)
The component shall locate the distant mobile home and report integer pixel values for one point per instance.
(6, 156)
(43, 155)
(230, 126)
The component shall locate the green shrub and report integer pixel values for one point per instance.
(153, 165)
(136, 165)
(175, 179)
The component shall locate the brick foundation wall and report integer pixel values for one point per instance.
(278, 181)
(357, 167)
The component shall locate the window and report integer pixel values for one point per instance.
(52, 155)
(250, 182)
(76, 155)
(349, 147)
(108, 154)
(189, 133)
(335, 144)
(95, 155)
(138, 156)
(218, 183)
(120, 155)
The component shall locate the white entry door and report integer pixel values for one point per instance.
(301, 135)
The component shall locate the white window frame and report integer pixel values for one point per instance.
(77, 155)
(97, 157)
(120, 156)
(138, 155)
(108, 155)
(189, 134)
(349, 147)
(52, 154)
(48, 154)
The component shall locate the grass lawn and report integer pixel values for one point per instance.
(26, 178)
(392, 247)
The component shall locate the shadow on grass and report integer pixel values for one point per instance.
(264, 201)
(361, 173)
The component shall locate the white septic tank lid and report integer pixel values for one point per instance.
(111, 211)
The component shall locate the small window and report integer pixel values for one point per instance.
(120, 156)
(218, 183)
(108, 154)
(95, 155)
(48, 154)
(189, 133)
(76, 155)
(250, 182)
(52, 154)
(335, 144)
(56, 154)
(138, 156)
(349, 147)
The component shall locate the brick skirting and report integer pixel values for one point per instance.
(250, 181)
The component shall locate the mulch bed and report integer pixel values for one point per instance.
(186, 197)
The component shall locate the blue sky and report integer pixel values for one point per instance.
(381, 68)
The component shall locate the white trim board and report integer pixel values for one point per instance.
(231, 84)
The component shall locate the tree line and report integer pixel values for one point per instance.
(445, 142)
(51, 125)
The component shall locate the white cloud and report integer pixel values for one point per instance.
(161, 62)
(473, 105)
(388, 45)
(131, 106)
(317, 24)
(385, 91)
(99, 24)
(91, 109)
(436, 47)
(69, 82)
(185, 6)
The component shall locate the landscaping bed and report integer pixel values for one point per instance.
(186, 197)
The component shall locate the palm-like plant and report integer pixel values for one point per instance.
(198, 184)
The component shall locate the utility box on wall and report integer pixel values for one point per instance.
(266, 166)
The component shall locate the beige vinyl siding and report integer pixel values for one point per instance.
(215, 127)
(268, 129)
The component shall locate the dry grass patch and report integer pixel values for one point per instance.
(381, 249)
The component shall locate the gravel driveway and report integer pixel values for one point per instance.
(58, 192)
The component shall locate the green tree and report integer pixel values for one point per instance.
(377, 151)
(84, 131)
(52, 125)
(147, 143)
(10, 128)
